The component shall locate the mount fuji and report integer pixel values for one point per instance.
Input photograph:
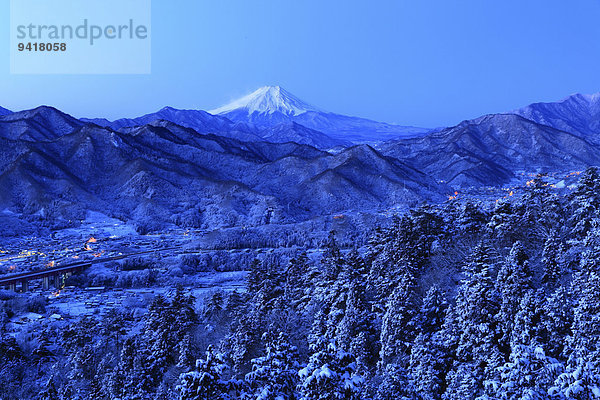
(272, 105)
(267, 100)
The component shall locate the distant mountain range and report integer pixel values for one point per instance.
(200, 121)
(231, 170)
(161, 170)
(4, 111)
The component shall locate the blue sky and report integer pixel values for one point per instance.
(423, 63)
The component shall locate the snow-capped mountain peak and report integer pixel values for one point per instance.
(267, 100)
(270, 106)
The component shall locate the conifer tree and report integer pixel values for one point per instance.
(332, 260)
(539, 209)
(471, 219)
(557, 319)
(208, 381)
(581, 380)
(275, 375)
(298, 281)
(585, 202)
(399, 328)
(464, 381)
(504, 223)
(527, 327)
(513, 280)
(330, 374)
(428, 357)
(215, 304)
(551, 261)
(357, 330)
(529, 374)
(395, 384)
(428, 366)
(474, 317)
(185, 360)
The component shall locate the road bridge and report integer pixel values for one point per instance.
(57, 274)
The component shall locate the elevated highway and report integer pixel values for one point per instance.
(57, 274)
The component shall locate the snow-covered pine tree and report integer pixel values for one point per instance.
(244, 341)
(9, 349)
(433, 311)
(557, 320)
(214, 306)
(41, 353)
(330, 374)
(552, 261)
(590, 258)
(236, 303)
(503, 224)
(255, 276)
(477, 355)
(395, 384)
(357, 330)
(121, 379)
(271, 287)
(355, 270)
(529, 372)
(539, 211)
(96, 391)
(471, 219)
(403, 253)
(512, 282)
(208, 381)
(145, 377)
(399, 325)
(185, 359)
(161, 354)
(182, 306)
(164, 392)
(464, 381)
(428, 359)
(298, 281)
(581, 380)
(332, 260)
(428, 367)
(585, 202)
(527, 327)
(156, 318)
(275, 375)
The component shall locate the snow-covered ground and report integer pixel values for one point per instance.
(98, 224)
(75, 302)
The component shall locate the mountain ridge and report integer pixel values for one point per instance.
(489, 150)
(577, 113)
